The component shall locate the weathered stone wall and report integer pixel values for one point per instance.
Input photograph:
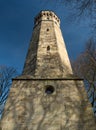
(47, 55)
(29, 107)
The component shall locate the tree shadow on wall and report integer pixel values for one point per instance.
(28, 108)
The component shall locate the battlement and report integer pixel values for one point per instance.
(46, 16)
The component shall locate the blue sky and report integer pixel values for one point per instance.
(16, 24)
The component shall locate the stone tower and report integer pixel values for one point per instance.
(47, 96)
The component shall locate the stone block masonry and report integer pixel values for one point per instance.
(47, 96)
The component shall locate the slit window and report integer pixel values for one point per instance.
(48, 48)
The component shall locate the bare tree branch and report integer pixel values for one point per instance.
(85, 67)
(6, 75)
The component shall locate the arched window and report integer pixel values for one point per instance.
(48, 48)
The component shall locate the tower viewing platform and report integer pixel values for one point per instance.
(46, 16)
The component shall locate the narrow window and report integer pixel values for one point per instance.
(48, 48)
(56, 22)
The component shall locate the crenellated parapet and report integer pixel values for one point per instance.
(46, 15)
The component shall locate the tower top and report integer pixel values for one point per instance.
(46, 15)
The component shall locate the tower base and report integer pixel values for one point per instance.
(48, 104)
